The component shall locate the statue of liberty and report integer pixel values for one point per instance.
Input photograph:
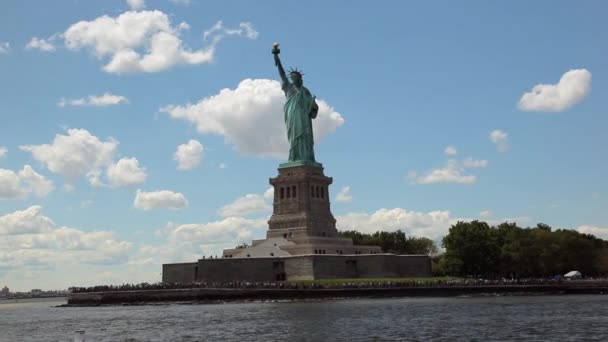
(300, 108)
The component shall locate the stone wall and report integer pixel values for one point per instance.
(372, 266)
(179, 273)
(304, 267)
(238, 269)
(300, 268)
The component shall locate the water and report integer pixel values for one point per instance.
(518, 318)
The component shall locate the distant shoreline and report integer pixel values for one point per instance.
(37, 297)
(211, 295)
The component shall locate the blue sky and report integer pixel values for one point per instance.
(136, 133)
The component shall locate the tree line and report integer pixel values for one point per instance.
(393, 242)
(476, 249)
(507, 250)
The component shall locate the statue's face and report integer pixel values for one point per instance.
(296, 79)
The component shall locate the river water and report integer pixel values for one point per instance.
(509, 318)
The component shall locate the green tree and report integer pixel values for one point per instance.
(472, 249)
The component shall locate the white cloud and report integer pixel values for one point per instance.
(106, 99)
(218, 31)
(191, 241)
(484, 214)
(450, 151)
(189, 155)
(600, 232)
(183, 26)
(41, 44)
(143, 41)
(572, 87)
(94, 178)
(501, 139)
(344, 195)
(433, 224)
(4, 47)
(34, 182)
(161, 199)
(222, 166)
(136, 4)
(9, 184)
(28, 221)
(126, 172)
(66, 238)
(269, 194)
(3, 152)
(244, 205)
(74, 155)
(86, 203)
(30, 238)
(251, 117)
(23, 183)
(470, 162)
(181, 2)
(452, 172)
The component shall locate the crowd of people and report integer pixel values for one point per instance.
(314, 285)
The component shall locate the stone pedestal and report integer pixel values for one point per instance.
(301, 204)
(301, 221)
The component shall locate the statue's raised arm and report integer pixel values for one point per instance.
(277, 62)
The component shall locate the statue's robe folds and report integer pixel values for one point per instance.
(299, 109)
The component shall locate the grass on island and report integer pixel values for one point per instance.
(373, 280)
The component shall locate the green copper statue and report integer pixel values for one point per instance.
(299, 109)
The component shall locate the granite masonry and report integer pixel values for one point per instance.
(302, 242)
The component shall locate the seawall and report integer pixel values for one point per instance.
(229, 294)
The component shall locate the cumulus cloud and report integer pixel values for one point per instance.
(27, 236)
(66, 238)
(433, 224)
(161, 199)
(450, 151)
(269, 194)
(600, 232)
(28, 221)
(452, 172)
(143, 41)
(136, 4)
(3, 152)
(470, 162)
(23, 183)
(107, 99)
(244, 205)
(485, 214)
(189, 155)
(4, 47)
(250, 117)
(126, 172)
(45, 45)
(191, 241)
(74, 155)
(344, 195)
(501, 139)
(181, 2)
(186, 242)
(572, 87)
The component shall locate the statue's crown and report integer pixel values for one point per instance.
(293, 71)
